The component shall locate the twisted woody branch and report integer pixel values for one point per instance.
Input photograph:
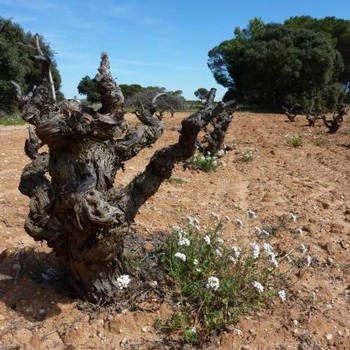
(76, 209)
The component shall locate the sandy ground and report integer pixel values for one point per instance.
(312, 181)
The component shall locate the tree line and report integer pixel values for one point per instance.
(302, 63)
(17, 64)
(136, 96)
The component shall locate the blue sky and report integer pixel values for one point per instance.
(150, 42)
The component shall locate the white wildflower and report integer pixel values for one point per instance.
(265, 233)
(236, 251)
(221, 153)
(251, 214)
(308, 260)
(180, 256)
(258, 231)
(239, 222)
(227, 218)
(178, 229)
(298, 231)
(232, 259)
(218, 252)
(192, 221)
(303, 249)
(213, 283)
(268, 249)
(273, 260)
(292, 217)
(123, 281)
(216, 216)
(215, 163)
(194, 330)
(219, 240)
(183, 241)
(207, 239)
(202, 159)
(289, 259)
(282, 295)
(195, 262)
(258, 286)
(255, 250)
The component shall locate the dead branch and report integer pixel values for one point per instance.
(46, 71)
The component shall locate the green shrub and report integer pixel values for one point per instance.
(203, 162)
(321, 140)
(215, 284)
(247, 156)
(177, 180)
(10, 119)
(294, 140)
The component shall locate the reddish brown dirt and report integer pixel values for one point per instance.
(312, 181)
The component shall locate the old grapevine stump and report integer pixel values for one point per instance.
(76, 209)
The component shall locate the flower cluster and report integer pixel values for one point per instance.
(282, 295)
(251, 214)
(221, 153)
(292, 217)
(258, 286)
(184, 241)
(270, 253)
(180, 256)
(261, 232)
(298, 231)
(207, 240)
(308, 260)
(202, 162)
(213, 283)
(255, 250)
(193, 222)
(123, 281)
(215, 216)
(236, 254)
(239, 223)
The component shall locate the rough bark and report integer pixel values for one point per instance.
(214, 137)
(334, 124)
(290, 113)
(312, 117)
(76, 209)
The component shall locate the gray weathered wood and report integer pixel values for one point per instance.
(73, 204)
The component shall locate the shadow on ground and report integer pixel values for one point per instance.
(29, 284)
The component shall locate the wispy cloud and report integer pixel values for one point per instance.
(37, 6)
(129, 13)
(151, 21)
(120, 11)
(115, 12)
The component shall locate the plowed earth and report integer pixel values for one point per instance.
(312, 181)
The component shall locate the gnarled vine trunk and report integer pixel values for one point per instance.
(76, 209)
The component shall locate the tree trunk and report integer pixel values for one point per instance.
(76, 210)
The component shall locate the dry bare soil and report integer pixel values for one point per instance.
(312, 181)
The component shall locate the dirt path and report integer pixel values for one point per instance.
(311, 181)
